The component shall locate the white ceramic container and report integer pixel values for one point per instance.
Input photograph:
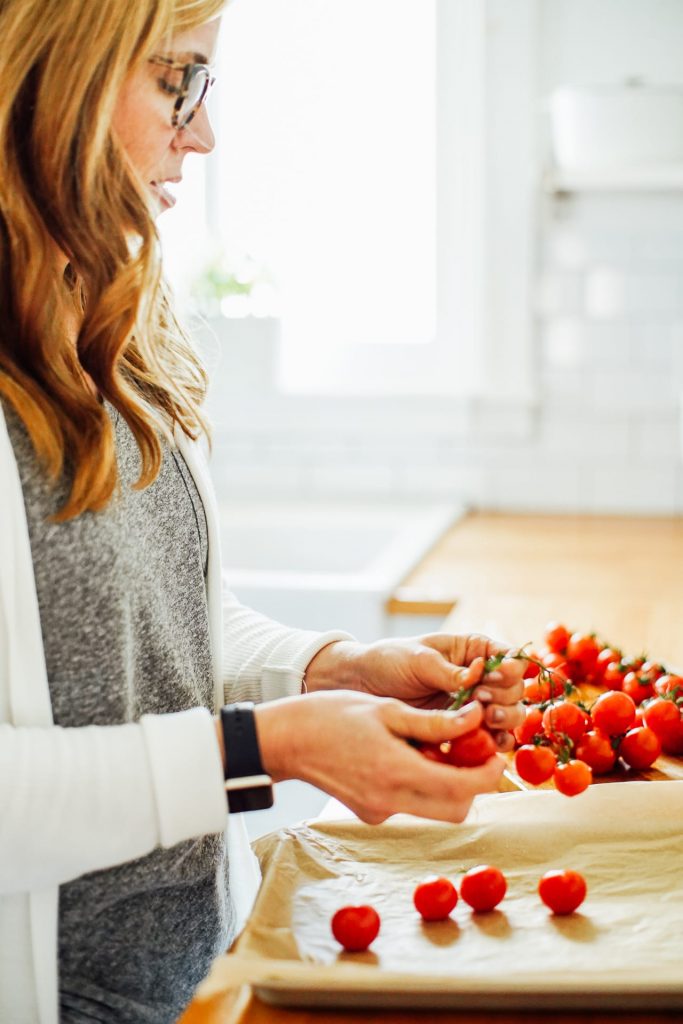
(616, 126)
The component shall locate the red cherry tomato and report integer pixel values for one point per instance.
(613, 675)
(472, 749)
(606, 657)
(669, 684)
(433, 752)
(596, 750)
(638, 687)
(562, 891)
(565, 719)
(530, 727)
(672, 740)
(483, 887)
(434, 898)
(355, 927)
(532, 669)
(535, 764)
(573, 777)
(640, 748)
(613, 712)
(661, 715)
(557, 662)
(556, 637)
(583, 650)
(651, 670)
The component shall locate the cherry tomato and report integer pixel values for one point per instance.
(672, 741)
(433, 752)
(638, 687)
(562, 891)
(613, 675)
(537, 691)
(651, 670)
(483, 887)
(583, 649)
(565, 718)
(532, 669)
(606, 657)
(530, 727)
(572, 777)
(435, 897)
(472, 749)
(355, 927)
(535, 764)
(596, 750)
(661, 715)
(556, 637)
(669, 684)
(558, 663)
(640, 748)
(613, 712)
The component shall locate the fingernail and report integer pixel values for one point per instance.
(497, 715)
(494, 677)
(483, 694)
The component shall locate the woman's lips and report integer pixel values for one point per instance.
(166, 200)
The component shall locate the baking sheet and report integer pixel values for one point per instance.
(623, 947)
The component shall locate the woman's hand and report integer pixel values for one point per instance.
(424, 671)
(353, 746)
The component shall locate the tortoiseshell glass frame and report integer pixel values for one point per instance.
(182, 91)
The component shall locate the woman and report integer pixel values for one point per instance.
(117, 646)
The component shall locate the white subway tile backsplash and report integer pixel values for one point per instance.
(530, 484)
(649, 294)
(356, 480)
(565, 248)
(559, 293)
(608, 344)
(563, 343)
(562, 385)
(638, 390)
(661, 245)
(605, 293)
(652, 347)
(635, 488)
(580, 438)
(657, 439)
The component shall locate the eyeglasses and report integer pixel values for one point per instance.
(192, 91)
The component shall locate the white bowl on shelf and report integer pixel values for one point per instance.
(610, 127)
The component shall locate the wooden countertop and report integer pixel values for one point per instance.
(619, 577)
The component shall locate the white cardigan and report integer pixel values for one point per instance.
(80, 800)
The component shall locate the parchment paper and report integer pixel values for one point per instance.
(628, 935)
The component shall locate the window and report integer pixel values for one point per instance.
(330, 166)
(375, 157)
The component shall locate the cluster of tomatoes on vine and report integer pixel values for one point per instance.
(636, 717)
(482, 888)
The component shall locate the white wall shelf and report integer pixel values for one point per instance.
(661, 178)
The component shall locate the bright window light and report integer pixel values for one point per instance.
(326, 171)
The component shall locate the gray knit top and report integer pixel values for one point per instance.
(123, 611)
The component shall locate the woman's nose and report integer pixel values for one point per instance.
(198, 136)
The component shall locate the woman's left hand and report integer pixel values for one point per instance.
(425, 671)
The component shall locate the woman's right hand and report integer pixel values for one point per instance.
(353, 746)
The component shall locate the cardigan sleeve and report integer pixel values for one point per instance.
(262, 659)
(74, 800)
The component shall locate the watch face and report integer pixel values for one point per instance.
(255, 798)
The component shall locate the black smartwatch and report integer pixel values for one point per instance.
(247, 786)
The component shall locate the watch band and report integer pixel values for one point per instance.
(248, 787)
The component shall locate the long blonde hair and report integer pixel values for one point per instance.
(65, 185)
